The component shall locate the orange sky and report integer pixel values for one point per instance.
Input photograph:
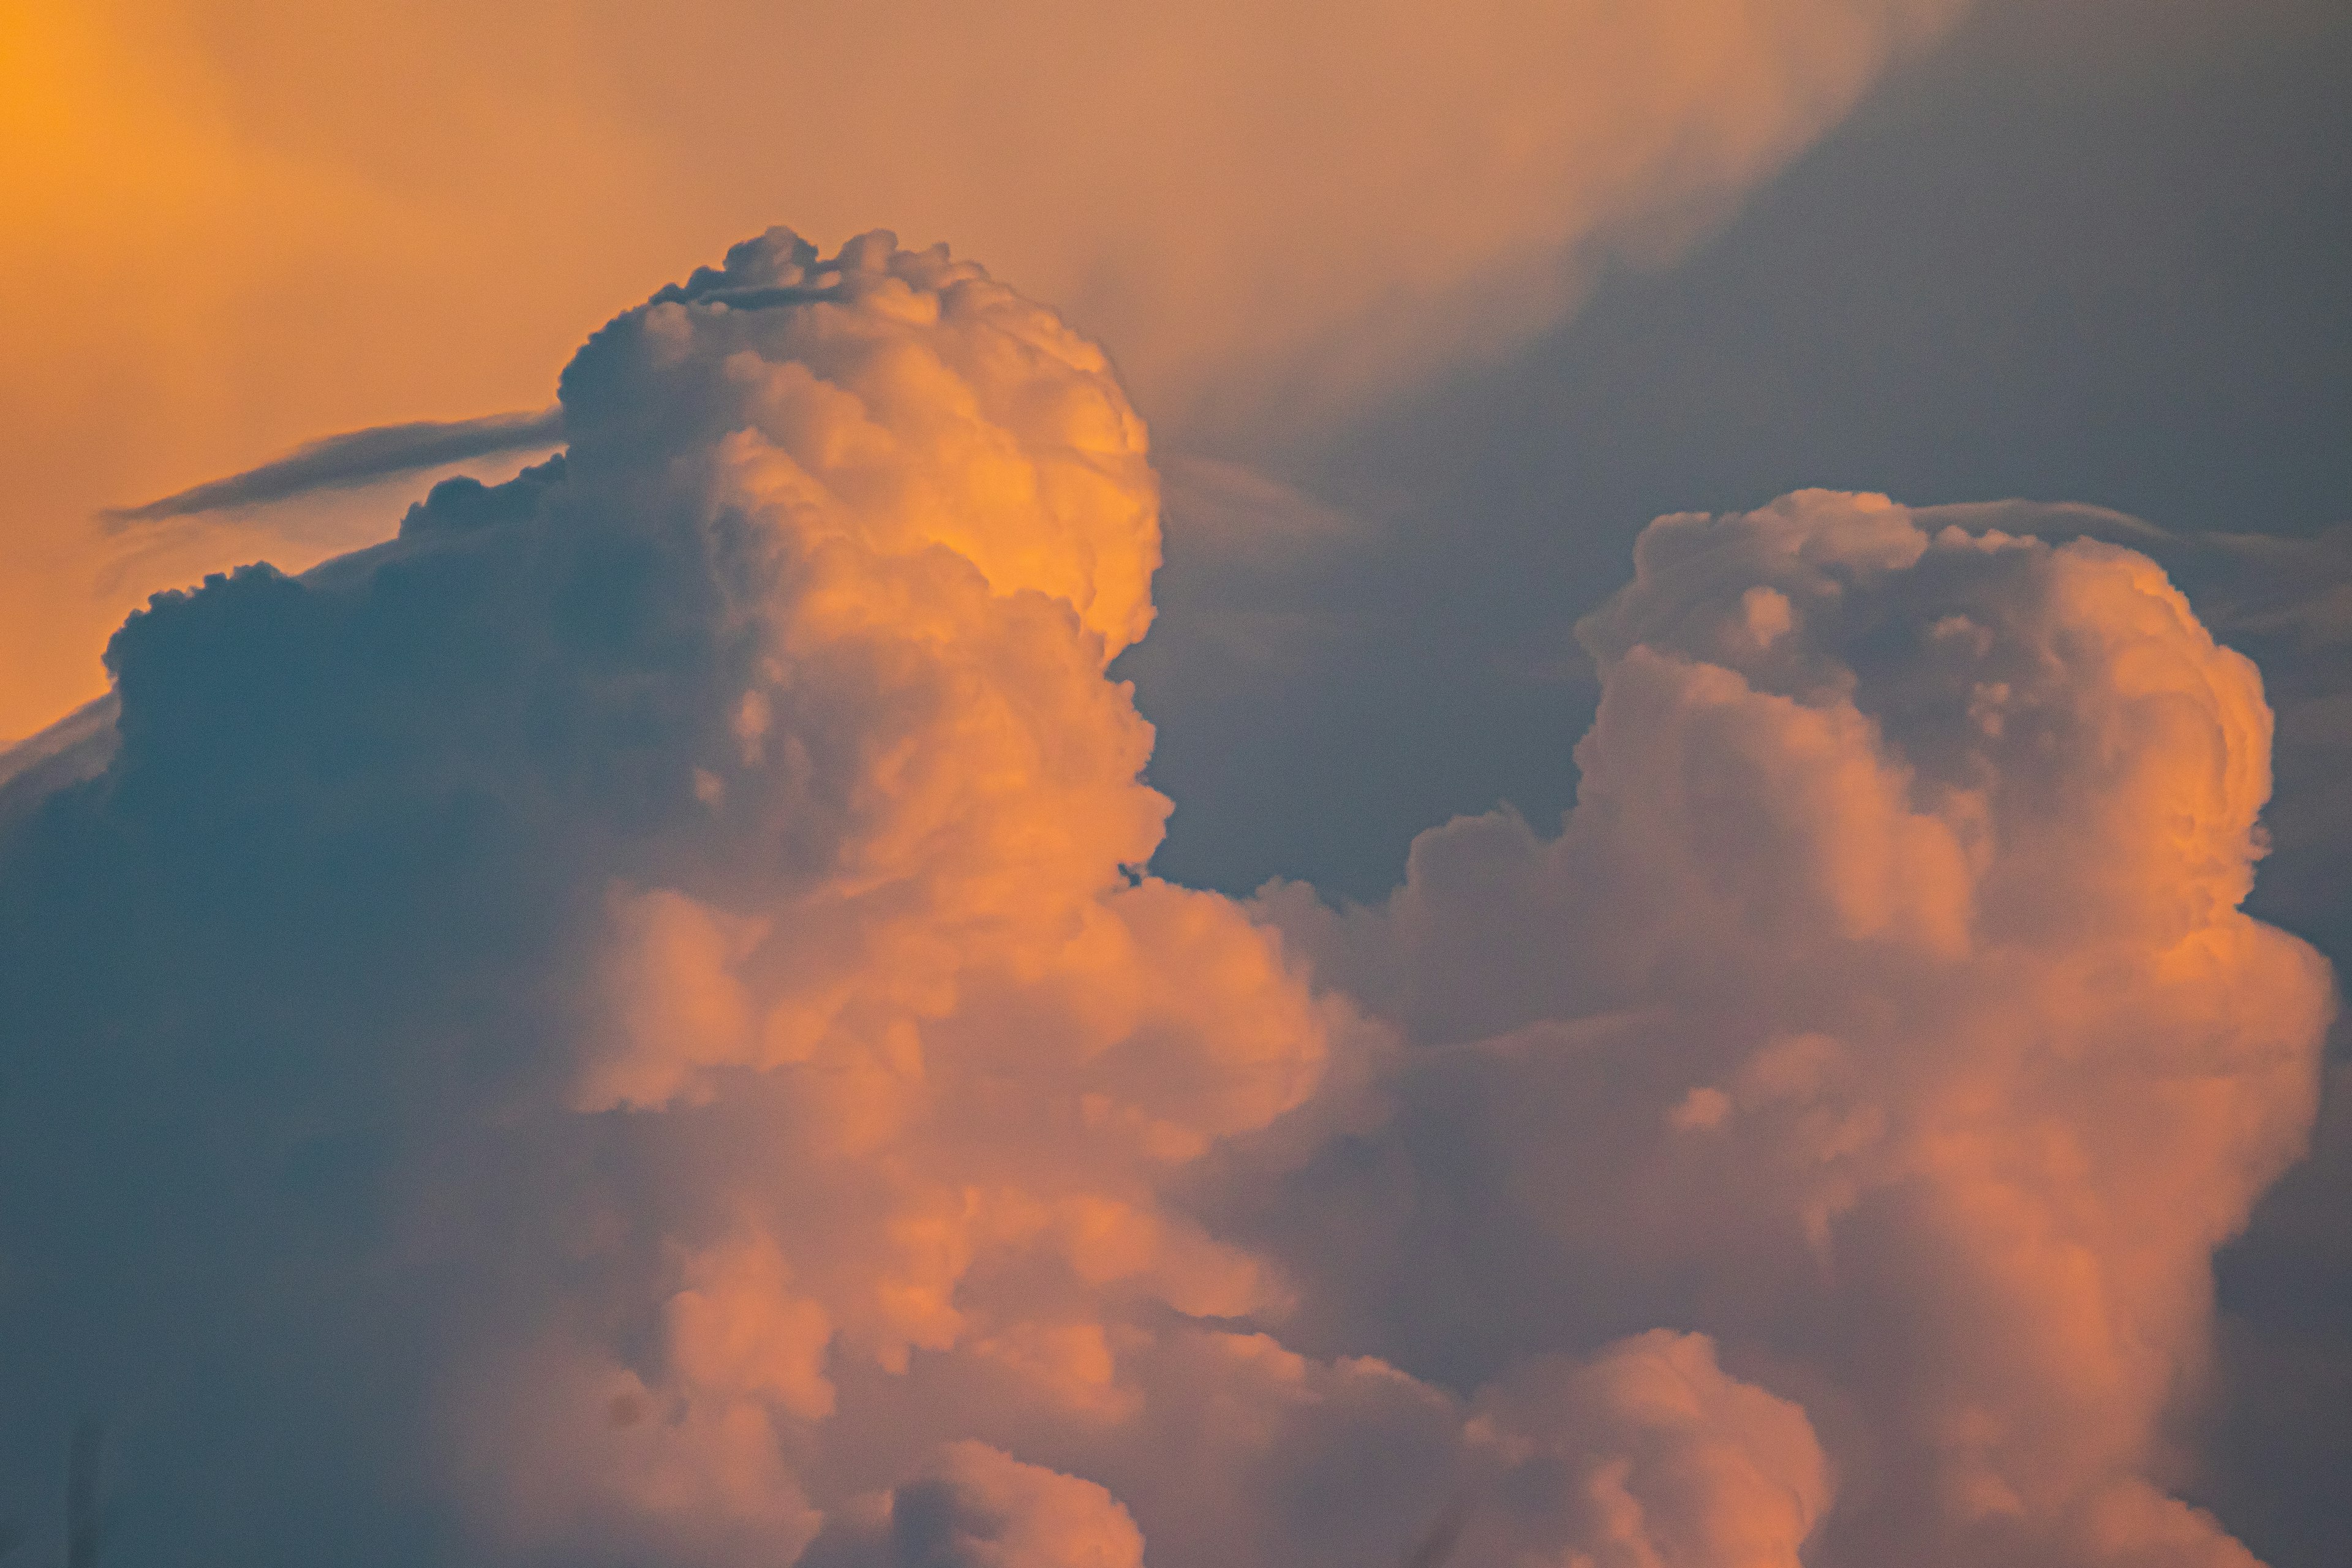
(232, 232)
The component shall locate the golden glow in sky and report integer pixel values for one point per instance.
(232, 229)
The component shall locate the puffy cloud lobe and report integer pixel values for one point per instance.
(1883, 1008)
(983, 1510)
(1650, 1456)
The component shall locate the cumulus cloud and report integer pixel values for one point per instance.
(1884, 1008)
(630, 1024)
(2276, 1427)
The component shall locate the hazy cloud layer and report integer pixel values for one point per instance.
(627, 1025)
(232, 233)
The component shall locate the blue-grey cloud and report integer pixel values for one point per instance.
(356, 458)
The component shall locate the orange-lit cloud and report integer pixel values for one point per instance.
(981, 1508)
(629, 1023)
(231, 234)
(1884, 1008)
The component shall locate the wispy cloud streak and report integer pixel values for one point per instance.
(358, 457)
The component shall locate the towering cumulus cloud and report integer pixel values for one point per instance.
(627, 1025)
(1884, 1008)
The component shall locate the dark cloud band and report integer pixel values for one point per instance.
(359, 458)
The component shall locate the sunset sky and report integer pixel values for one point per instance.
(1545, 782)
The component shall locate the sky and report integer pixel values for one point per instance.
(1546, 783)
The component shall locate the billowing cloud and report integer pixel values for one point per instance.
(810, 623)
(1883, 1008)
(629, 1024)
